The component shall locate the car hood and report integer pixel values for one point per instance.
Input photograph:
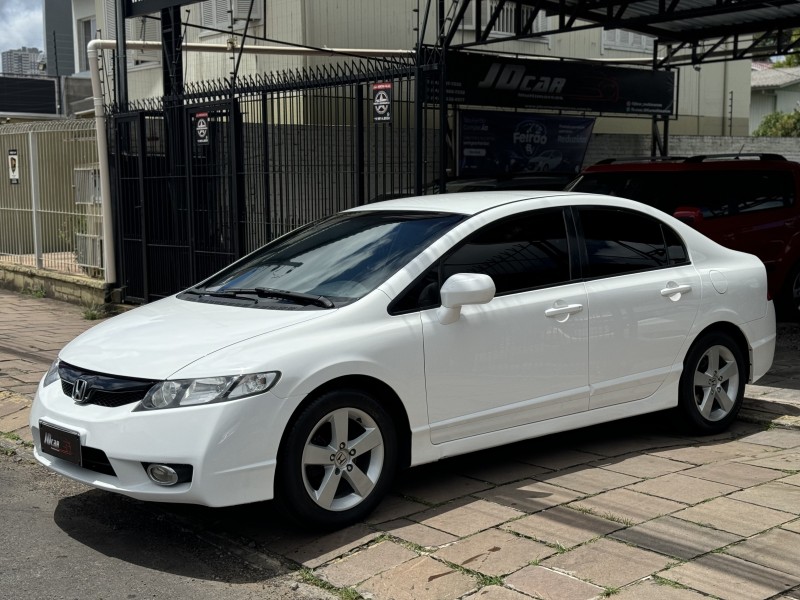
(156, 340)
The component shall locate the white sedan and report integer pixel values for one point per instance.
(400, 333)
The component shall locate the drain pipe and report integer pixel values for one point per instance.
(93, 50)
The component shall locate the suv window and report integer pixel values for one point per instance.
(620, 241)
(716, 193)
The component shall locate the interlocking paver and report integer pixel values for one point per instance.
(420, 579)
(734, 516)
(530, 496)
(730, 578)
(619, 445)
(434, 486)
(366, 563)
(502, 472)
(777, 549)
(674, 537)
(558, 459)
(494, 552)
(546, 583)
(494, 592)
(627, 506)
(563, 526)
(608, 563)
(791, 479)
(587, 479)
(419, 534)
(466, 516)
(780, 438)
(788, 461)
(792, 526)
(393, 507)
(650, 590)
(642, 465)
(314, 551)
(777, 495)
(734, 473)
(679, 487)
(709, 453)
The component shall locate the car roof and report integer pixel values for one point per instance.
(466, 203)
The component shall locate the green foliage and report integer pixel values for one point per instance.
(779, 124)
(793, 60)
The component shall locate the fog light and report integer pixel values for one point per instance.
(162, 474)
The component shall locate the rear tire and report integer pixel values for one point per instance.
(712, 383)
(337, 461)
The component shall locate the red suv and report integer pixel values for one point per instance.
(747, 202)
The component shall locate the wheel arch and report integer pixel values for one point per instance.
(736, 334)
(382, 392)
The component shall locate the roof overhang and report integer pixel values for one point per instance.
(686, 31)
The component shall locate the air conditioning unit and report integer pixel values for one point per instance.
(86, 185)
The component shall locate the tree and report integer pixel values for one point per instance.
(779, 124)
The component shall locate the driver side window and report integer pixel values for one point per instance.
(519, 253)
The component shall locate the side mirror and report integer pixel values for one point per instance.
(462, 289)
(691, 215)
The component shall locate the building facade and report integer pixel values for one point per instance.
(23, 61)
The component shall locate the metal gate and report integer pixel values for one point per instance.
(207, 177)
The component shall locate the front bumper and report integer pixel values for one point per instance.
(232, 446)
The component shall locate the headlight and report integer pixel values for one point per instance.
(52, 374)
(190, 392)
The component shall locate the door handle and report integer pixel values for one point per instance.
(677, 290)
(560, 311)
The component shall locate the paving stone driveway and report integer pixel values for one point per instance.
(630, 509)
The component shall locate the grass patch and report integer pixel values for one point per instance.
(306, 576)
(668, 583)
(34, 292)
(93, 312)
(609, 591)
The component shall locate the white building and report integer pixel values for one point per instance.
(23, 61)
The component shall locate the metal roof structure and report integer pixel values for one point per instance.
(686, 32)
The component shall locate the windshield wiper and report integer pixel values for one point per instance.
(221, 294)
(299, 297)
(263, 292)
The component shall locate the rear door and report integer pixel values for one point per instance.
(643, 298)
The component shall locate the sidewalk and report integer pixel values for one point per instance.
(629, 509)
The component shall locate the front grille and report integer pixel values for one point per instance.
(103, 390)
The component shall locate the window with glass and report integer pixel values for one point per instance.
(621, 241)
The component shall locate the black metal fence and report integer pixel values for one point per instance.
(207, 177)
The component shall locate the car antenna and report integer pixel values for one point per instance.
(740, 152)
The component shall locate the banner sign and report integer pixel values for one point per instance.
(382, 102)
(484, 80)
(497, 143)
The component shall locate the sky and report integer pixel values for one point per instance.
(20, 24)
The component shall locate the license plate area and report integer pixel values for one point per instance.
(61, 443)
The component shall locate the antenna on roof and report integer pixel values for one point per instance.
(740, 151)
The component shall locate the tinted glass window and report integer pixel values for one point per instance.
(342, 257)
(716, 193)
(519, 253)
(621, 241)
(676, 249)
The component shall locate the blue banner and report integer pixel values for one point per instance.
(495, 144)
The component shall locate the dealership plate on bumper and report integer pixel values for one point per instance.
(61, 443)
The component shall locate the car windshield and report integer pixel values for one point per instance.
(329, 263)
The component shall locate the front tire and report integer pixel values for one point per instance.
(712, 383)
(338, 460)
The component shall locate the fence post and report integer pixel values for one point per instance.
(33, 150)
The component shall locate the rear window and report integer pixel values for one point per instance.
(715, 193)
